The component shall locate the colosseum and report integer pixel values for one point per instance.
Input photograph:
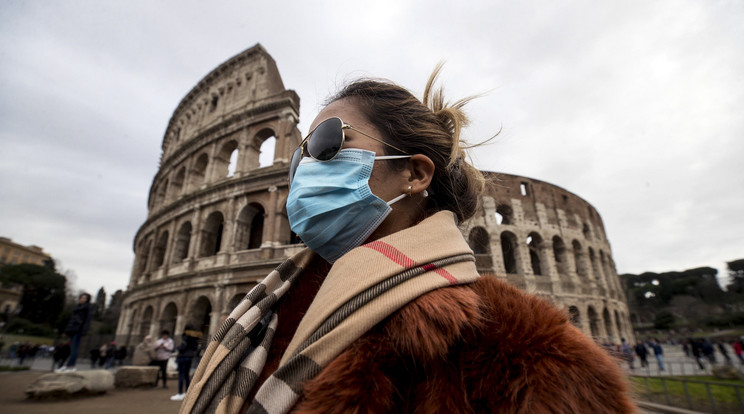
(217, 222)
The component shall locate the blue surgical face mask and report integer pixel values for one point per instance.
(330, 205)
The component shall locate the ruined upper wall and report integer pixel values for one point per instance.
(246, 81)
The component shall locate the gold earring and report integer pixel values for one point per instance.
(409, 190)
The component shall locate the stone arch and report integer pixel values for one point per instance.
(168, 318)
(580, 261)
(199, 314)
(619, 324)
(509, 252)
(131, 325)
(586, 231)
(198, 174)
(595, 267)
(181, 245)
(559, 254)
(162, 192)
(159, 251)
(608, 324)
(266, 152)
(145, 256)
(504, 214)
(591, 314)
(256, 147)
(224, 156)
(537, 259)
(146, 322)
(249, 227)
(177, 183)
(574, 316)
(480, 241)
(212, 234)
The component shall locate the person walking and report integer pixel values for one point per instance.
(695, 346)
(76, 328)
(187, 350)
(739, 350)
(658, 353)
(708, 351)
(642, 353)
(163, 349)
(722, 349)
(61, 352)
(627, 352)
(95, 354)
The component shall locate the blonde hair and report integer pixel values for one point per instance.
(433, 128)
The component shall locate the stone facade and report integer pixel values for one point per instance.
(217, 221)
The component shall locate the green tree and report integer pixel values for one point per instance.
(663, 320)
(43, 297)
(736, 275)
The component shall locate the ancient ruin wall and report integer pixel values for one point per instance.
(217, 223)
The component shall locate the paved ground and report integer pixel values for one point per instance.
(139, 401)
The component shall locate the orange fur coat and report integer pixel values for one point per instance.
(484, 348)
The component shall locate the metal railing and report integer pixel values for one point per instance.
(705, 396)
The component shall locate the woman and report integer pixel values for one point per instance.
(187, 350)
(386, 312)
(76, 328)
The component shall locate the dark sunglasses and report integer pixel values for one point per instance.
(324, 143)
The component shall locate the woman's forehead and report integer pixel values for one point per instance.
(345, 109)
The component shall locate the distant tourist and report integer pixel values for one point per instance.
(627, 352)
(658, 353)
(76, 328)
(642, 353)
(95, 354)
(708, 351)
(61, 352)
(187, 350)
(163, 350)
(739, 350)
(722, 349)
(695, 347)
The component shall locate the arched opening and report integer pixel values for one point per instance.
(608, 324)
(200, 313)
(595, 266)
(199, 172)
(505, 213)
(146, 322)
(212, 234)
(509, 251)
(559, 254)
(534, 244)
(223, 162)
(249, 227)
(159, 252)
(618, 324)
(580, 261)
(587, 232)
(145, 256)
(479, 241)
(177, 185)
(266, 153)
(162, 192)
(593, 321)
(233, 163)
(183, 240)
(575, 316)
(168, 318)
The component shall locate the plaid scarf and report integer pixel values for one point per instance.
(362, 288)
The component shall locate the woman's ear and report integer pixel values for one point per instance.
(421, 172)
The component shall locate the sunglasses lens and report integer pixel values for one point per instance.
(296, 158)
(326, 140)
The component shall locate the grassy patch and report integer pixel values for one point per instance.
(8, 368)
(10, 338)
(723, 392)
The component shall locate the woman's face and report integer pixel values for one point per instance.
(385, 182)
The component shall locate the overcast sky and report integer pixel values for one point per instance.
(636, 106)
